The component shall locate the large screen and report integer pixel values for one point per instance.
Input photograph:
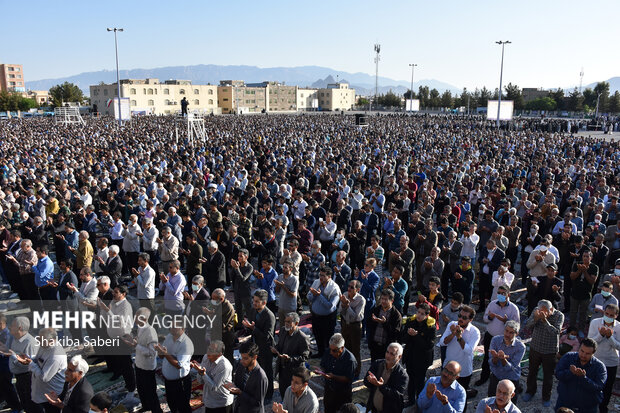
(505, 110)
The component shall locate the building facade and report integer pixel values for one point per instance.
(12, 78)
(150, 96)
(532, 93)
(307, 99)
(234, 96)
(337, 96)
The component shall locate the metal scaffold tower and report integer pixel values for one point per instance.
(195, 124)
(67, 115)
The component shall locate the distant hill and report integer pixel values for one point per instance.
(614, 84)
(305, 76)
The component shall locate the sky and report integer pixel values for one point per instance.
(450, 41)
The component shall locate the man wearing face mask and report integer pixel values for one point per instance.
(197, 298)
(614, 277)
(463, 281)
(548, 287)
(601, 300)
(496, 315)
(292, 350)
(606, 332)
(583, 277)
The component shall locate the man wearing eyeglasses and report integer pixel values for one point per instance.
(387, 381)
(461, 338)
(443, 393)
(338, 370)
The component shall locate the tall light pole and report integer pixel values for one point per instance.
(377, 58)
(118, 80)
(412, 65)
(501, 74)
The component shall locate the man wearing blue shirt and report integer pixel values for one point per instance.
(581, 378)
(265, 281)
(504, 392)
(44, 272)
(443, 393)
(505, 355)
(323, 297)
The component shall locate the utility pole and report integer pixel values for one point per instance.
(501, 73)
(377, 58)
(580, 80)
(118, 80)
(412, 65)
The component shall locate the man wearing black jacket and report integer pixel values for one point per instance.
(77, 388)
(291, 351)
(249, 381)
(545, 288)
(214, 266)
(383, 325)
(262, 327)
(387, 381)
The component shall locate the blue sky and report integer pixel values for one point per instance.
(451, 41)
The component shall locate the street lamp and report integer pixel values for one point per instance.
(501, 73)
(412, 65)
(118, 80)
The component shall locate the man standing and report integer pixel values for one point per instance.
(168, 247)
(262, 328)
(383, 325)
(443, 393)
(338, 371)
(496, 315)
(242, 270)
(292, 350)
(545, 324)
(286, 286)
(215, 370)
(249, 381)
(214, 266)
(461, 338)
(605, 331)
(581, 378)
(387, 381)
(323, 297)
(351, 316)
(490, 259)
(22, 343)
(583, 276)
(145, 281)
(177, 351)
(505, 355)
(173, 285)
(504, 393)
(47, 369)
(544, 288)
(85, 252)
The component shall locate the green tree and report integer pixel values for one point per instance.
(389, 100)
(602, 89)
(614, 103)
(546, 103)
(558, 97)
(513, 92)
(434, 100)
(446, 99)
(362, 101)
(423, 93)
(408, 94)
(485, 95)
(66, 92)
(589, 98)
(15, 102)
(574, 102)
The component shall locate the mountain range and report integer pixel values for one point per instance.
(304, 76)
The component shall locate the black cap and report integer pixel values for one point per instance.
(618, 261)
(555, 267)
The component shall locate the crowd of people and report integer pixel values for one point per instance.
(390, 238)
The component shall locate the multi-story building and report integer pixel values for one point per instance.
(532, 93)
(337, 96)
(281, 98)
(234, 96)
(307, 99)
(150, 96)
(12, 78)
(42, 97)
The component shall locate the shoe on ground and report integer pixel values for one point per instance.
(527, 397)
(546, 403)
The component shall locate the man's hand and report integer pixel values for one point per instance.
(163, 277)
(441, 397)
(135, 272)
(232, 388)
(372, 379)
(491, 315)
(161, 350)
(246, 323)
(314, 292)
(278, 408)
(23, 359)
(430, 390)
(53, 399)
(555, 288)
(201, 370)
(412, 332)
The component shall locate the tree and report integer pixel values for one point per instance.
(362, 101)
(423, 93)
(602, 89)
(614, 103)
(589, 98)
(389, 100)
(574, 102)
(67, 92)
(558, 97)
(446, 99)
(408, 94)
(513, 92)
(434, 100)
(15, 102)
(546, 103)
(485, 95)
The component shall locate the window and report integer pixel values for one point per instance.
(96, 92)
(196, 91)
(144, 91)
(133, 103)
(196, 102)
(155, 91)
(224, 90)
(132, 91)
(150, 91)
(210, 101)
(11, 76)
(166, 102)
(12, 83)
(11, 69)
(181, 91)
(151, 102)
(105, 92)
(302, 95)
(166, 91)
(225, 99)
(210, 91)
